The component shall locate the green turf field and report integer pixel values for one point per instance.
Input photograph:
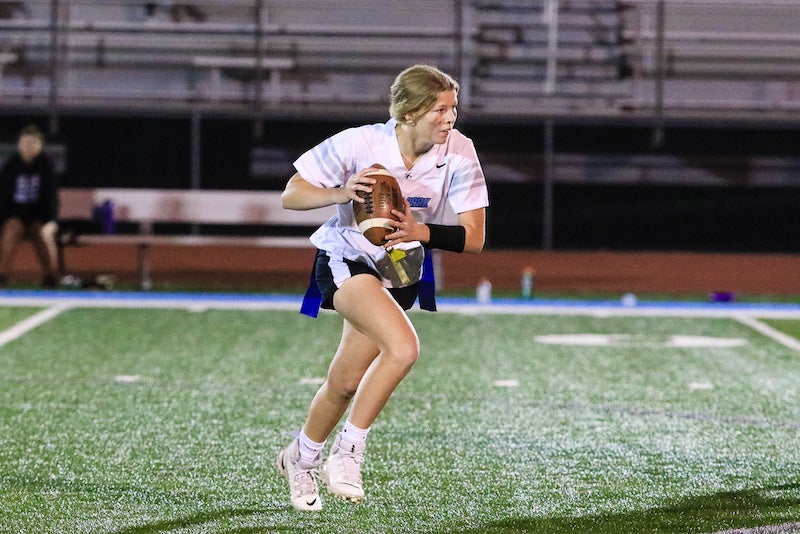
(148, 420)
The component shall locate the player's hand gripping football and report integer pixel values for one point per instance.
(358, 182)
(406, 228)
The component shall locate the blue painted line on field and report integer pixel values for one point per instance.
(617, 304)
(655, 305)
(9, 296)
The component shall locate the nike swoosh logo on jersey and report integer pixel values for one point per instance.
(440, 165)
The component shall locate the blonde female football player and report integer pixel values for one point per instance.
(371, 286)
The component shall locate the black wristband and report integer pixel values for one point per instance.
(452, 238)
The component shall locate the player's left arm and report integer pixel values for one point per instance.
(469, 235)
(474, 223)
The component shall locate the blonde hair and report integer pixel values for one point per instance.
(416, 89)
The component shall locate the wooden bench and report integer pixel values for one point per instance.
(148, 207)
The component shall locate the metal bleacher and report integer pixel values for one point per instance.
(515, 58)
(562, 54)
(718, 55)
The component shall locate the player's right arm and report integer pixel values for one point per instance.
(300, 194)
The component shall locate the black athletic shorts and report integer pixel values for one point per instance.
(324, 272)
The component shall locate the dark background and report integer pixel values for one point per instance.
(155, 152)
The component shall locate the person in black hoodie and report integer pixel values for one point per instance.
(29, 206)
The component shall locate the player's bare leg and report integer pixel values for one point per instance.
(378, 348)
(383, 321)
(379, 332)
(355, 354)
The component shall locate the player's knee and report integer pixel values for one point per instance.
(347, 390)
(342, 389)
(405, 354)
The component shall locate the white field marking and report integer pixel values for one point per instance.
(679, 341)
(127, 379)
(26, 325)
(505, 383)
(767, 330)
(309, 380)
(783, 528)
(701, 386)
(628, 340)
(589, 340)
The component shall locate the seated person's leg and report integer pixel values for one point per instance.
(10, 235)
(44, 241)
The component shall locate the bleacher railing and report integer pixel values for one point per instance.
(516, 59)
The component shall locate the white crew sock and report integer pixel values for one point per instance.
(353, 434)
(309, 450)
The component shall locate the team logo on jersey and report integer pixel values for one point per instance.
(418, 202)
(26, 190)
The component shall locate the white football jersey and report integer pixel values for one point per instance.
(448, 176)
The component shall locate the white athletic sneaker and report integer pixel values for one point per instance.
(301, 476)
(341, 474)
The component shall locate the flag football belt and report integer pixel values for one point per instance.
(401, 267)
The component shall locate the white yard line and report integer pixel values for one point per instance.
(767, 330)
(26, 325)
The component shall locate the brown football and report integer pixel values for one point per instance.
(373, 214)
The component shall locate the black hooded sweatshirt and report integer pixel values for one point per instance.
(28, 190)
